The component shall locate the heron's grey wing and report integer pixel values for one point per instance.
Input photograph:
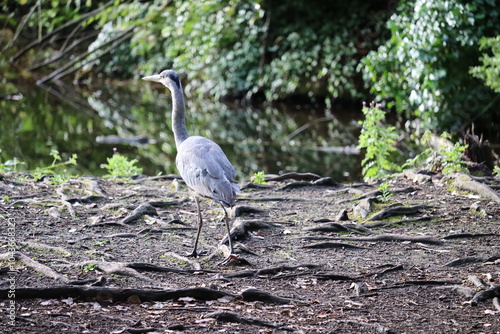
(206, 169)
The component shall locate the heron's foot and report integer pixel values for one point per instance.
(194, 254)
(233, 260)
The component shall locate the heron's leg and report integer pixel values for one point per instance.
(226, 220)
(200, 224)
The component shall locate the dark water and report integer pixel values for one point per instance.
(91, 122)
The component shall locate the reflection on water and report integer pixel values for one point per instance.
(135, 118)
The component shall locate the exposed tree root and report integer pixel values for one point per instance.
(323, 182)
(470, 259)
(323, 245)
(294, 176)
(337, 227)
(141, 210)
(36, 245)
(267, 271)
(107, 294)
(464, 182)
(195, 264)
(392, 237)
(227, 316)
(399, 211)
(380, 224)
(154, 268)
(241, 210)
(385, 269)
(375, 193)
(485, 295)
(469, 235)
(116, 268)
(252, 295)
(335, 277)
(35, 265)
(378, 328)
(241, 228)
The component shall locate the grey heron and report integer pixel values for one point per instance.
(201, 162)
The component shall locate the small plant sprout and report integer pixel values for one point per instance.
(119, 166)
(496, 171)
(259, 178)
(101, 243)
(57, 176)
(89, 267)
(386, 194)
(10, 165)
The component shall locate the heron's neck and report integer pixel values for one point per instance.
(178, 119)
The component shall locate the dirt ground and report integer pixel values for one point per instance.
(101, 256)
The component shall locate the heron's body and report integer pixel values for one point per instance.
(205, 169)
(200, 161)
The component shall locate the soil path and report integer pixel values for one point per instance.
(314, 256)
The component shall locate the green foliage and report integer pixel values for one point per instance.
(444, 158)
(56, 171)
(239, 48)
(119, 166)
(489, 71)
(259, 178)
(9, 165)
(379, 141)
(424, 67)
(496, 171)
(386, 193)
(89, 267)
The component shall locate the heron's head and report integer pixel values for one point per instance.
(168, 78)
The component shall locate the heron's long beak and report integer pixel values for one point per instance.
(155, 78)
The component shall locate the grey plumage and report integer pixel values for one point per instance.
(201, 162)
